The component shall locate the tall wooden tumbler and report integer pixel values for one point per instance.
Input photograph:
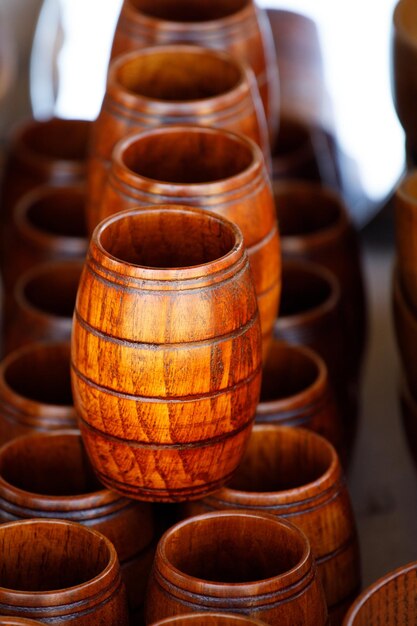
(166, 352)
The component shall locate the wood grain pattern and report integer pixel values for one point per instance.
(237, 26)
(389, 601)
(405, 202)
(47, 224)
(16, 621)
(211, 619)
(173, 85)
(315, 226)
(35, 390)
(239, 562)
(296, 474)
(296, 391)
(43, 304)
(211, 169)
(166, 364)
(50, 151)
(60, 572)
(49, 476)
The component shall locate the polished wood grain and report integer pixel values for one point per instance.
(237, 561)
(405, 325)
(389, 601)
(310, 315)
(211, 169)
(60, 572)
(166, 364)
(35, 390)
(315, 226)
(175, 84)
(211, 619)
(236, 26)
(405, 234)
(47, 224)
(16, 621)
(49, 151)
(49, 476)
(43, 304)
(296, 474)
(404, 64)
(296, 391)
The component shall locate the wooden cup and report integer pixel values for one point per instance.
(166, 364)
(174, 84)
(49, 476)
(211, 169)
(71, 574)
(296, 391)
(43, 304)
(236, 26)
(50, 151)
(296, 474)
(405, 235)
(389, 601)
(16, 621)
(238, 562)
(35, 390)
(211, 619)
(315, 226)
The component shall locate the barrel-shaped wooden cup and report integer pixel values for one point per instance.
(43, 304)
(49, 476)
(296, 391)
(60, 573)
(35, 390)
(47, 224)
(236, 26)
(315, 226)
(389, 601)
(208, 619)
(166, 364)
(239, 562)
(211, 169)
(50, 151)
(296, 474)
(173, 85)
(405, 235)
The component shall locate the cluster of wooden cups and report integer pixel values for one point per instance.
(175, 325)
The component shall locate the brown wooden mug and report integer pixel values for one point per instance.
(166, 364)
(43, 304)
(237, 26)
(296, 391)
(47, 224)
(173, 85)
(405, 234)
(50, 151)
(49, 476)
(205, 619)
(389, 601)
(16, 621)
(315, 226)
(211, 169)
(71, 574)
(239, 562)
(35, 390)
(296, 474)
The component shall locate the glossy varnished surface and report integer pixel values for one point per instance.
(167, 413)
(204, 619)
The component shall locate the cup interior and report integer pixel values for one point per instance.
(293, 137)
(178, 75)
(233, 549)
(53, 288)
(41, 373)
(187, 157)
(60, 213)
(49, 556)
(49, 465)
(58, 139)
(302, 290)
(304, 211)
(189, 10)
(167, 238)
(281, 459)
(287, 372)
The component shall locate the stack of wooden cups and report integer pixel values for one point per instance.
(176, 347)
